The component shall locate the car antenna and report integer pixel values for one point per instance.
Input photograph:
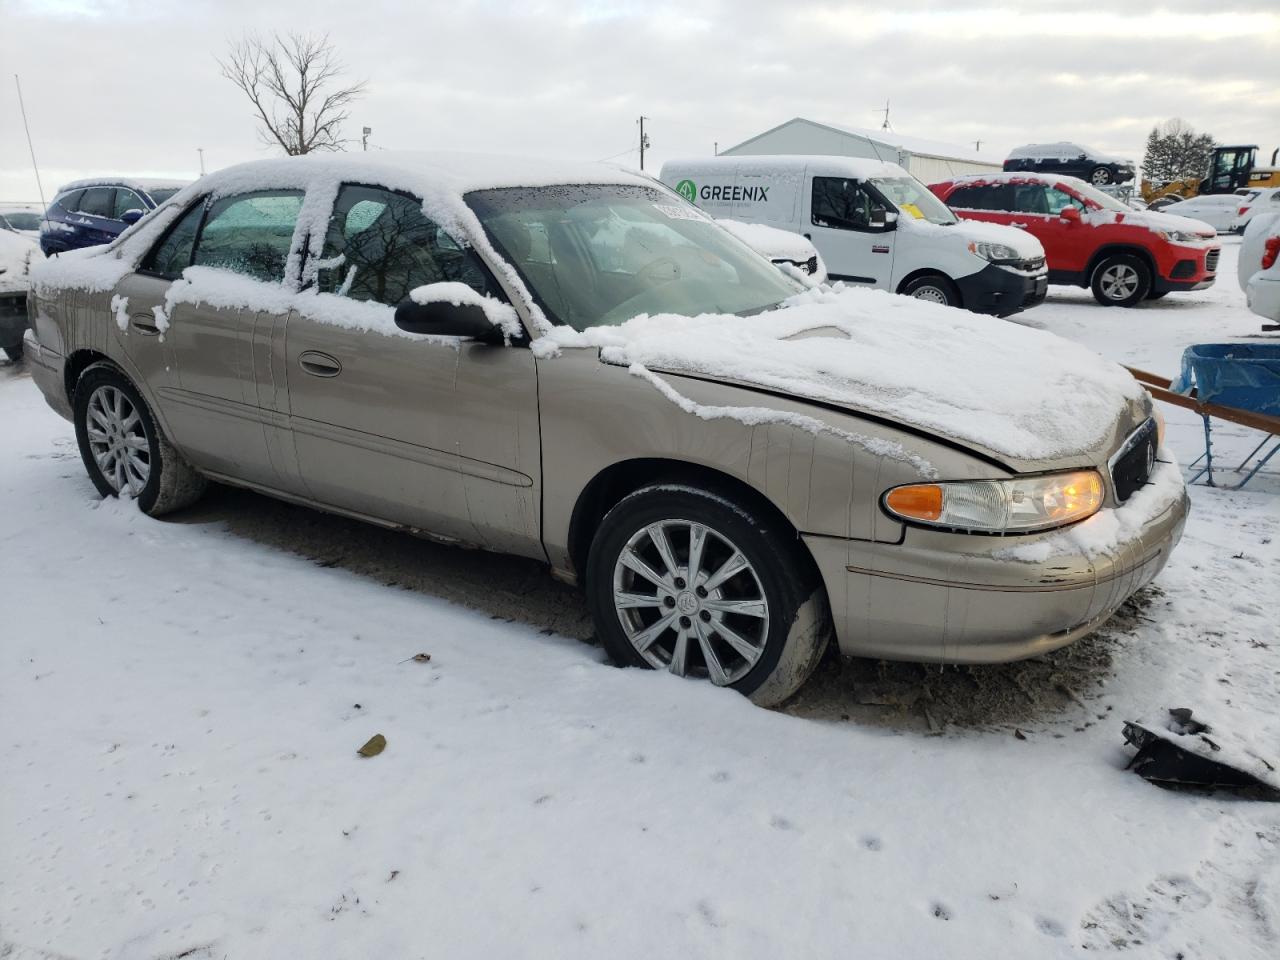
(30, 146)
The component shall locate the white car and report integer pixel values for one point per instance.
(1258, 269)
(1254, 201)
(784, 248)
(1217, 209)
(23, 218)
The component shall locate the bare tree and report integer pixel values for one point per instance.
(293, 83)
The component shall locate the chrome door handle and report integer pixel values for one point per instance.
(1022, 225)
(319, 364)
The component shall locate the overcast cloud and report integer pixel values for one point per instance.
(116, 86)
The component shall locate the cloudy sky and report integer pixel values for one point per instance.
(118, 86)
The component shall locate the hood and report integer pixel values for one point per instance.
(963, 232)
(1022, 396)
(1158, 220)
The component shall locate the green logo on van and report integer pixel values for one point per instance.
(687, 190)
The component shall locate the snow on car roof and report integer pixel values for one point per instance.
(145, 184)
(1016, 177)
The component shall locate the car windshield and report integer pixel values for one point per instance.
(914, 199)
(1094, 195)
(598, 255)
(160, 196)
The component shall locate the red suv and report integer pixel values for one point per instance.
(1092, 239)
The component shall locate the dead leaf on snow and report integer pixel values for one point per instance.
(418, 658)
(377, 743)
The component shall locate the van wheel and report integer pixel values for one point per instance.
(1100, 176)
(123, 450)
(1121, 281)
(933, 287)
(685, 580)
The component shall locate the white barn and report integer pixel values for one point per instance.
(928, 160)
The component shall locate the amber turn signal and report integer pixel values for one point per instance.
(921, 501)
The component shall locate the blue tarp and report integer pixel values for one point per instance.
(1241, 375)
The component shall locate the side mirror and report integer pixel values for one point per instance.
(1070, 214)
(132, 216)
(882, 219)
(437, 310)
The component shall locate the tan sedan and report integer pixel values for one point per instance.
(574, 365)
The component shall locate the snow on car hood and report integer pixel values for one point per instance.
(1005, 389)
(963, 232)
(1156, 220)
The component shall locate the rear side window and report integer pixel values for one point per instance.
(380, 245)
(250, 234)
(160, 196)
(841, 204)
(986, 196)
(97, 201)
(127, 200)
(172, 255)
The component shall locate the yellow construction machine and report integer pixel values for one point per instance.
(1230, 168)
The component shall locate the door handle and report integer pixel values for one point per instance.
(319, 364)
(144, 326)
(1022, 225)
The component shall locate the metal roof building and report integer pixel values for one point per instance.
(928, 160)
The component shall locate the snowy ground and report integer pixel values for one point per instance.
(181, 702)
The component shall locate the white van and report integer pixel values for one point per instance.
(874, 224)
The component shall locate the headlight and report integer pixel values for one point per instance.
(995, 252)
(1000, 506)
(1179, 236)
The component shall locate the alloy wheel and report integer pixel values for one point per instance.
(690, 601)
(1119, 281)
(118, 440)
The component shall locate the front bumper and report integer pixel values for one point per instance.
(993, 289)
(1263, 297)
(950, 598)
(1192, 268)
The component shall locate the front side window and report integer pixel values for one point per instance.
(172, 254)
(127, 200)
(97, 202)
(70, 201)
(380, 245)
(1059, 200)
(596, 255)
(250, 234)
(841, 204)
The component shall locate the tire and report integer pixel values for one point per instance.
(1120, 280)
(933, 287)
(1101, 177)
(14, 352)
(106, 405)
(1157, 294)
(777, 641)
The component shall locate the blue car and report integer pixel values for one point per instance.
(90, 212)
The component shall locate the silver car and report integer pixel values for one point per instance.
(575, 365)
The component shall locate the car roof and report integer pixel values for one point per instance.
(142, 184)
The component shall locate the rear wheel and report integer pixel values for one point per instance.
(123, 450)
(1100, 176)
(1121, 281)
(685, 580)
(933, 287)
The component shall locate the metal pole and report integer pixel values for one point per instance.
(30, 146)
(642, 142)
(200, 150)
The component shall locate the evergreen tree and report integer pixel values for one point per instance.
(1175, 151)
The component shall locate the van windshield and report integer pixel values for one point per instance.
(598, 255)
(914, 199)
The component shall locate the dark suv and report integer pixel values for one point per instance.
(89, 212)
(1070, 159)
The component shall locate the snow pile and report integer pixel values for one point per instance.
(1011, 390)
(120, 308)
(17, 255)
(770, 241)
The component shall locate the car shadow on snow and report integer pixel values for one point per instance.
(1052, 690)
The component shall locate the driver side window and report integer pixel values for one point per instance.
(841, 204)
(1059, 200)
(380, 245)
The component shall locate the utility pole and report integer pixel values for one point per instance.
(200, 150)
(364, 138)
(644, 141)
(885, 125)
(977, 146)
(715, 147)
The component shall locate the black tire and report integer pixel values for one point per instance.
(14, 352)
(933, 287)
(1120, 280)
(799, 621)
(1157, 294)
(1101, 176)
(171, 483)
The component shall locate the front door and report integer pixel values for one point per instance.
(839, 218)
(435, 433)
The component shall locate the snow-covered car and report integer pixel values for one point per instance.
(1216, 209)
(22, 218)
(17, 254)
(570, 363)
(1252, 202)
(1258, 268)
(1070, 159)
(782, 247)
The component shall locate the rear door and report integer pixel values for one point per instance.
(437, 433)
(837, 218)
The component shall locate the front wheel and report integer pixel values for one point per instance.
(933, 287)
(1121, 281)
(1100, 177)
(685, 580)
(123, 450)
